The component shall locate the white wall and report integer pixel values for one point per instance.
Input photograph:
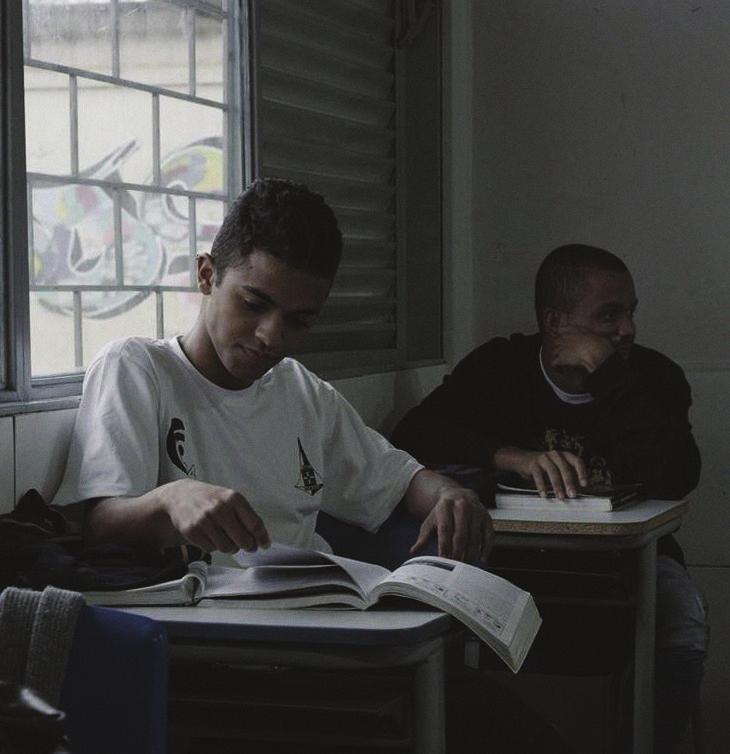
(606, 122)
(458, 196)
(382, 399)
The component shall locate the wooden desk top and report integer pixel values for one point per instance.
(641, 518)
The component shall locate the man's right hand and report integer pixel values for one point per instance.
(213, 518)
(551, 470)
(578, 347)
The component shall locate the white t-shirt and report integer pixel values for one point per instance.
(290, 443)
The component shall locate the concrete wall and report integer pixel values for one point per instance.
(605, 122)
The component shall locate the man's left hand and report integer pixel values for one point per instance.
(461, 523)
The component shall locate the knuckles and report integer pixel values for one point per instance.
(226, 497)
(465, 505)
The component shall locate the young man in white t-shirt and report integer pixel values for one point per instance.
(219, 440)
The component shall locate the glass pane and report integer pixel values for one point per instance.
(73, 236)
(209, 57)
(100, 239)
(153, 44)
(67, 32)
(115, 133)
(180, 311)
(209, 217)
(192, 134)
(47, 150)
(51, 333)
(168, 217)
(136, 313)
(155, 241)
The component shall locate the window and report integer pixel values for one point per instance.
(129, 126)
(129, 183)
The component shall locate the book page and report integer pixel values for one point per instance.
(607, 491)
(366, 575)
(280, 554)
(328, 598)
(276, 580)
(500, 613)
(551, 504)
(182, 591)
(361, 577)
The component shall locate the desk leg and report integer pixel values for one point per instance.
(644, 650)
(429, 718)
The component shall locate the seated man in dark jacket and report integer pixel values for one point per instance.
(578, 403)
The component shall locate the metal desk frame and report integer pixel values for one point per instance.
(338, 640)
(635, 528)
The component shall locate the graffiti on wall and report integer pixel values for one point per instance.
(74, 234)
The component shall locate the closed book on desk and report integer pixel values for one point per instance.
(502, 615)
(597, 497)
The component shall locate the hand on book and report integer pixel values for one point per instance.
(461, 523)
(214, 518)
(555, 471)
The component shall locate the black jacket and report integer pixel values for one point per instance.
(635, 430)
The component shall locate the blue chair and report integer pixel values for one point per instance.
(115, 690)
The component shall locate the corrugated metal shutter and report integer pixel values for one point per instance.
(327, 118)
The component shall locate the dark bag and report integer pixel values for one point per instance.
(27, 724)
(39, 547)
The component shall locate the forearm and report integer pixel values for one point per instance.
(462, 525)
(646, 425)
(508, 458)
(651, 441)
(139, 520)
(424, 491)
(198, 513)
(664, 457)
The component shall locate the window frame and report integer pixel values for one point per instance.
(16, 341)
(20, 391)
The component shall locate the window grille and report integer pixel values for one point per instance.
(133, 177)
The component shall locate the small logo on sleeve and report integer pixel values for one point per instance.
(175, 443)
(309, 480)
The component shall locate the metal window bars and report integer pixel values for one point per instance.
(113, 185)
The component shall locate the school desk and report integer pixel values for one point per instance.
(636, 528)
(341, 653)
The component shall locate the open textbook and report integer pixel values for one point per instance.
(502, 615)
(596, 497)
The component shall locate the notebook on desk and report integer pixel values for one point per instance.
(597, 497)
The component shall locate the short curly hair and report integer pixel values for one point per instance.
(284, 219)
